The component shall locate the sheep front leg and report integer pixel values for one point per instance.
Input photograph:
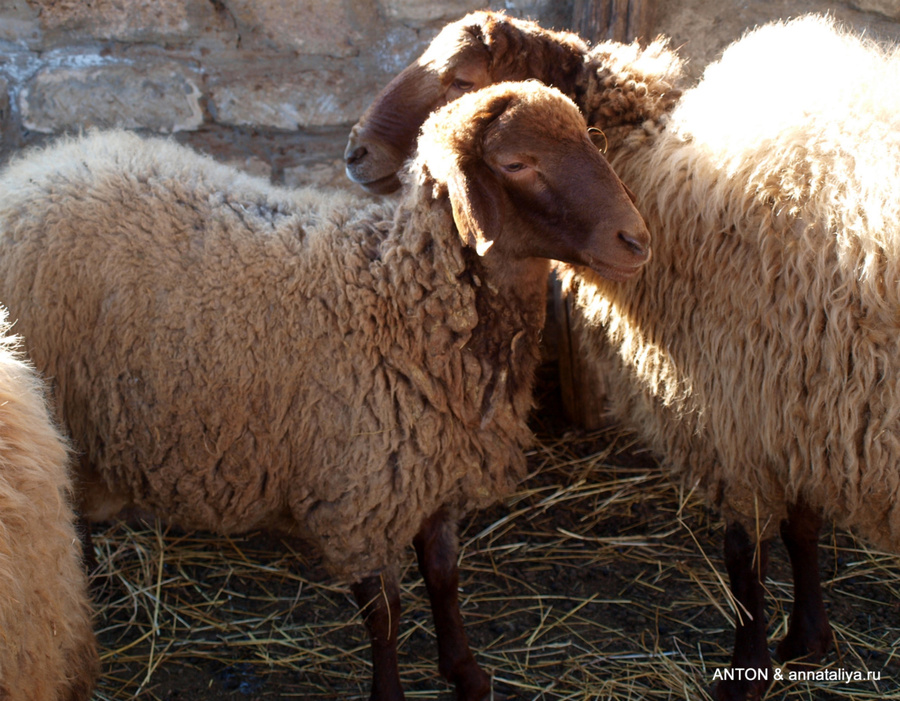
(379, 599)
(809, 634)
(88, 556)
(747, 566)
(436, 547)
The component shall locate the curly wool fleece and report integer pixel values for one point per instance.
(230, 355)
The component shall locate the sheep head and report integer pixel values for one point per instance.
(481, 49)
(525, 181)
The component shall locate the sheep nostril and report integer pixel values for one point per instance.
(356, 155)
(632, 244)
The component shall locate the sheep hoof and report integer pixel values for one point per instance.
(475, 685)
(739, 690)
(804, 651)
(490, 695)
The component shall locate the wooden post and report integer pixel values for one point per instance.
(584, 390)
(618, 20)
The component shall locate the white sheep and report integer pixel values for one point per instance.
(47, 646)
(233, 356)
(758, 353)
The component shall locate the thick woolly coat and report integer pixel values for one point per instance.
(759, 351)
(47, 646)
(230, 355)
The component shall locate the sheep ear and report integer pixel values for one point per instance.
(476, 194)
(477, 200)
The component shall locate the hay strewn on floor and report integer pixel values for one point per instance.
(598, 580)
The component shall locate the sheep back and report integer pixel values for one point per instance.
(229, 355)
(47, 646)
(626, 86)
(760, 351)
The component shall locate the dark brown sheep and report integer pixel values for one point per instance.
(231, 356)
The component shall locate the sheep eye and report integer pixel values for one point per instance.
(463, 85)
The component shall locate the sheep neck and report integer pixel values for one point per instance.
(511, 300)
(523, 51)
(483, 312)
(626, 91)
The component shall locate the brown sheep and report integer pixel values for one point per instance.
(485, 48)
(757, 353)
(231, 356)
(47, 646)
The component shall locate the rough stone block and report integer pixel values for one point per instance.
(311, 98)
(19, 23)
(312, 27)
(427, 11)
(4, 100)
(393, 51)
(161, 97)
(4, 109)
(888, 8)
(169, 21)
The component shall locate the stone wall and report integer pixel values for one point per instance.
(273, 85)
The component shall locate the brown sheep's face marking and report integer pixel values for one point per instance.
(525, 181)
(481, 49)
(456, 63)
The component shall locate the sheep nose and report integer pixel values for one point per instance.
(355, 155)
(638, 248)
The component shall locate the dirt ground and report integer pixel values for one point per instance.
(598, 580)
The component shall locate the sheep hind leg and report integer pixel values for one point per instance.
(809, 634)
(751, 664)
(88, 555)
(436, 548)
(379, 599)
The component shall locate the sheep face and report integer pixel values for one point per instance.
(481, 49)
(525, 181)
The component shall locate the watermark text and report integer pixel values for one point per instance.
(753, 674)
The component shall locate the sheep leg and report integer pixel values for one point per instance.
(747, 565)
(379, 599)
(88, 557)
(436, 547)
(809, 634)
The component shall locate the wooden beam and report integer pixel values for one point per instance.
(618, 20)
(583, 389)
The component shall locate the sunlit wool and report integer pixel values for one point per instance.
(759, 352)
(47, 646)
